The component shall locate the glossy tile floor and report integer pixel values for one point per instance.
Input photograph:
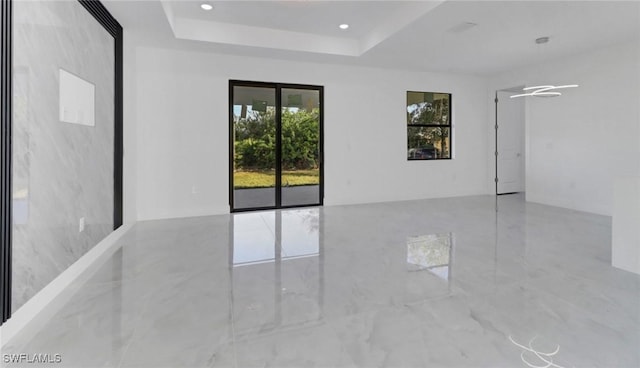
(434, 283)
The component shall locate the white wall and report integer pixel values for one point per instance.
(625, 239)
(580, 142)
(181, 119)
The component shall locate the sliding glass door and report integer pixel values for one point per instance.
(300, 159)
(254, 144)
(275, 145)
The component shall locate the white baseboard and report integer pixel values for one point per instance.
(42, 306)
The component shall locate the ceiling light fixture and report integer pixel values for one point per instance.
(344, 26)
(544, 91)
(206, 6)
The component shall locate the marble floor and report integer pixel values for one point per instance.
(433, 283)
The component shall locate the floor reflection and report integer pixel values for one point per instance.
(530, 354)
(276, 270)
(253, 238)
(301, 237)
(432, 253)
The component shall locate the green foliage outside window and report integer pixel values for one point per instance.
(255, 140)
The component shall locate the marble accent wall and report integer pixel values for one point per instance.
(62, 172)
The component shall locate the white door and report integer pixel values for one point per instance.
(510, 165)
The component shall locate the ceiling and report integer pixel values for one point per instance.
(314, 17)
(471, 37)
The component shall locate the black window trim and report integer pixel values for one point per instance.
(450, 126)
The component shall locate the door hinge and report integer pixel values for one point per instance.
(496, 100)
(496, 180)
(496, 126)
(496, 153)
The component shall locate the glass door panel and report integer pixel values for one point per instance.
(254, 147)
(300, 154)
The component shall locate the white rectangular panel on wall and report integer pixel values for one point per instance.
(77, 100)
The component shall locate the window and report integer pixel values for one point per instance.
(428, 126)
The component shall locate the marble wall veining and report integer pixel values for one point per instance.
(62, 172)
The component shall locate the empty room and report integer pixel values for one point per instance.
(320, 183)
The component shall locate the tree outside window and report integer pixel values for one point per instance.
(428, 125)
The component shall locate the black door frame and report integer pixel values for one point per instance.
(111, 25)
(6, 105)
(278, 188)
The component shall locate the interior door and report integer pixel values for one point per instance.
(510, 144)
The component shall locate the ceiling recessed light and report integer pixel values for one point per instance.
(206, 6)
(344, 26)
